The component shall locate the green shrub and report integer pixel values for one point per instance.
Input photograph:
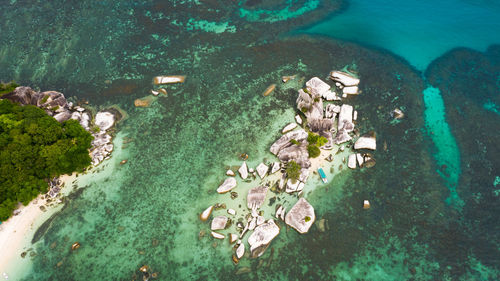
(313, 151)
(295, 142)
(304, 109)
(45, 98)
(293, 170)
(6, 88)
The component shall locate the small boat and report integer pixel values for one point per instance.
(322, 175)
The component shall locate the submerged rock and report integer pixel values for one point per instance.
(269, 90)
(227, 185)
(219, 223)
(256, 197)
(301, 216)
(243, 170)
(367, 141)
(262, 237)
(397, 114)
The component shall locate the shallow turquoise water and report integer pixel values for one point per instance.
(419, 31)
(146, 212)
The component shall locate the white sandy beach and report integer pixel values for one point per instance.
(17, 232)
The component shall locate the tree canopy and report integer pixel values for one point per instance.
(34, 147)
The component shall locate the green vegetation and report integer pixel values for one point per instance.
(45, 99)
(34, 147)
(313, 151)
(304, 109)
(293, 170)
(7, 87)
(316, 99)
(294, 142)
(307, 219)
(315, 142)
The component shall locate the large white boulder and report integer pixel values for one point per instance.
(243, 170)
(345, 116)
(218, 223)
(351, 162)
(206, 214)
(262, 237)
(262, 170)
(318, 86)
(276, 167)
(227, 185)
(301, 216)
(367, 141)
(345, 78)
(291, 186)
(350, 90)
(298, 119)
(240, 251)
(104, 120)
(284, 140)
(256, 197)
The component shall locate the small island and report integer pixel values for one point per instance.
(43, 136)
(323, 132)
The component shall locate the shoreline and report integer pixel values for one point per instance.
(16, 233)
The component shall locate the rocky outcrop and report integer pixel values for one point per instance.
(243, 170)
(351, 162)
(297, 153)
(275, 167)
(256, 197)
(227, 185)
(262, 237)
(345, 118)
(301, 216)
(206, 213)
(262, 170)
(219, 223)
(284, 140)
(344, 78)
(289, 127)
(367, 141)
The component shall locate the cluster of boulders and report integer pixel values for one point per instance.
(333, 121)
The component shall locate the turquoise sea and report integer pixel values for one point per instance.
(434, 190)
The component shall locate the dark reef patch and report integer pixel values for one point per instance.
(468, 81)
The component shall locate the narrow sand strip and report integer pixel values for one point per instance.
(17, 232)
